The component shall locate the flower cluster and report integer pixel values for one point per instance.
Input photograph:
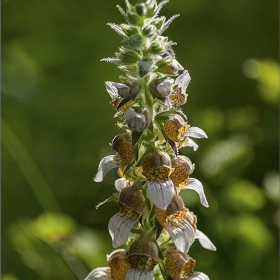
(153, 224)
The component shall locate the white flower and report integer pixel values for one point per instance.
(157, 169)
(132, 204)
(179, 222)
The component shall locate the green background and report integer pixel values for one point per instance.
(57, 123)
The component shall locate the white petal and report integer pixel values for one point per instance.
(191, 143)
(175, 63)
(120, 226)
(204, 240)
(105, 165)
(101, 273)
(196, 132)
(198, 276)
(194, 184)
(111, 89)
(137, 274)
(182, 234)
(183, 80)
(161, 193)
(120, 184)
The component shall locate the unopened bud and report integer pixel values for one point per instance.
(141, 9)
(134, 41)
(145, 66)
(138, 120)
(133, 18)
(129, 30)
(149, 30)
(128, 56)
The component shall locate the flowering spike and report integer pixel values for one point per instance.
(147, 100)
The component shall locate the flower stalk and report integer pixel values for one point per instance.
(153, 225)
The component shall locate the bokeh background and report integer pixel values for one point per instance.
(57, 124)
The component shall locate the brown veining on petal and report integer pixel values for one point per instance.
(118, 264)
(175, 128)
(123, 146)
(158, 174)
(176, 214)
(178, 264)
(177, 97)
(143, 254)
(128, 212)
(183, 167)
(133, 199)
(155, 159)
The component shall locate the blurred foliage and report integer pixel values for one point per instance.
(57, 123)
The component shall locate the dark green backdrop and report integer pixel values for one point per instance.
(57, 123)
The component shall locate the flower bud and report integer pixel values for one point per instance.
(141, 9)
(156, 47)
(128, 56)
(134, 41)
(133, 18)
(145, 66)
(163, 62)
(159, 22)
(127, 90)
(161, 87)
(149, 30)
(137, 119)
(129, 30)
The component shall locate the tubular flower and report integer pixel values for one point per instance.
(183, 167)
(157, 170)
(142, 257)
(132, 204)
(152, 174)
(117, 267)
(179, 222)
(180, 266)
(180, 132)
(179, 96)
(123, 146)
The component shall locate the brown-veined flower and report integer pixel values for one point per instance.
(183, 168)
(181, 133)
(142, 257)
(157, 170)
(125, 152)
(132, 204)
(179, 222)
(117, 267)
(179, 97)
(180, 266)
